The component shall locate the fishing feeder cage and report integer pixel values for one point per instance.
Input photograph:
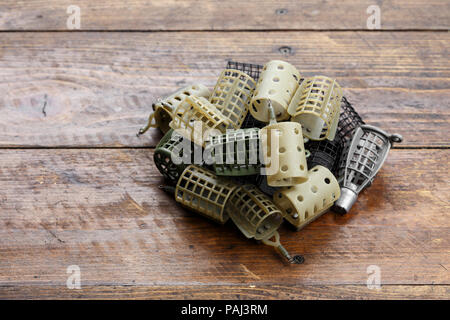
(163, 108)
(253, 70)
(204, 192)
(349, 120)
(235, 153)
(195, 116)
(232, 95)
(284, 152)
(305, 202)
(316, 106)
(254, 213)
(361, 159)
(325, 153)
(172, 147)
(277, 84)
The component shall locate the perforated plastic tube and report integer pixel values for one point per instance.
(277, 83)
(307, 201)
(284, 154)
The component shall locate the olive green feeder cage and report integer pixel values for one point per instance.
(204, 192)
(257, 217)
(172, 147)
(235, 153)
(164, 107)
(195, 117)
(316, 106)
(232, 95)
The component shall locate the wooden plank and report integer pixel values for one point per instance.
(95, 89)
(227, 292)
(225, 15)
(101, 209)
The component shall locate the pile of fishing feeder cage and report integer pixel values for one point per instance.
(284, 148)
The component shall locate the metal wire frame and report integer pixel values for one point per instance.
(363, 156)
(204, 192)
(349, 120)
(253, 70)
(232, 95)
(254, 213)
(235, 153)
(325, 153)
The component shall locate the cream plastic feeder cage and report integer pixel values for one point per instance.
(232, 95)
(305, 202)
(163, 108)
(257, 217)
(253, 70)
(204, 192)
(195, 116)
(316, 106)
(325, 153)
(277, 84)
(235, 153)
(284, 152)
(361, 160)
(349, 120)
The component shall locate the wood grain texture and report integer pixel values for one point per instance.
(102, 210)
(227, 292)
(224, 15)
(95, 89)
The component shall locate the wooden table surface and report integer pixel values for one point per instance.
(77, 187)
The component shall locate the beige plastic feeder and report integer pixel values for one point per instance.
(284, 153)
(232, 95)
(304, 202)
(163, 108)
(316, 106)
(195, 116)
(277, 83)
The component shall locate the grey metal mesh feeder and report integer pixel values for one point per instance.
(349, 120)
(361, 159)
(253, 70)
(324, 153)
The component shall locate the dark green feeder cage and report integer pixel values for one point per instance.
(171, 146)
(235, 153)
